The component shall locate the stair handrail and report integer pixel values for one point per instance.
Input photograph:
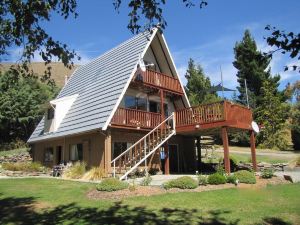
(123, 153)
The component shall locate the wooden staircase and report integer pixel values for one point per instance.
(129, 160)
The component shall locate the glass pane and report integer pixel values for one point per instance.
(142, 104)
(49, 154)
(119, 147)
(130, 102)
(153, 106)
(80, 151)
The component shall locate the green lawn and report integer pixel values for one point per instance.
(50, 201)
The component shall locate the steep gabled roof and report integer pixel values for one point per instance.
(99, 85)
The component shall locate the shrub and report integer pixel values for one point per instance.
(182, 183)
(96, 173)
(267, 173)
(220, 169)
(75, 171)
(231, 179)
(202, 180)
(146, 181)
(216, 178)
(132, 186)
(245, 176)
(298, 161)
(111, 184)
(22, 166)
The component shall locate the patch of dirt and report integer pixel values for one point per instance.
(155, 190)
(37, 206)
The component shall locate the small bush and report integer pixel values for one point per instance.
(202, 180)
(245, 176)
(216, 178)
(182, 183)
(26, 167)
(96, 173)
(111, 184)
(267, 173)
(75, 171)
(220, 169)
(231, 179)
(132, 186)
(146, 181)
(298, 161)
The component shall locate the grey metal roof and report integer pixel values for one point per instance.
(99, 85)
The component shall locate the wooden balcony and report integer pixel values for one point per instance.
(135, 119)
(215, 115)
(194, 119)
(158, 80)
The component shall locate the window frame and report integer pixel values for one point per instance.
(50, 113)
(49, 158)
(80, 156)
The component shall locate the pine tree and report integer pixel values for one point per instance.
(272, 113)
(252, 66)
(198, 85)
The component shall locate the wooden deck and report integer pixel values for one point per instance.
(157, 80)
(215, 115)
(194, 119)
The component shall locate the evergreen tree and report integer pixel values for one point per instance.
(22, 102)
(272, 113)
(198, 85)
(252, 66)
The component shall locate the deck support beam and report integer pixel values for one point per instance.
(224, 134)
(167, 159)
(199, 154)
(253, 153)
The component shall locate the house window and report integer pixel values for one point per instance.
(76, 152)
(119, 147)
(132, 102)
(48, 154)
(153, 106)
(141, 104)
(50, 113)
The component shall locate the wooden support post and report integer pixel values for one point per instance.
(167, 161)
(253, 153)
(162, 109)
(107, 153)
(226, 149)
(199, 153)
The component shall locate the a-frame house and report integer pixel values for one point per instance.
(128, 110)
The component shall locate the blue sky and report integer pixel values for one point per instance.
(207, 35)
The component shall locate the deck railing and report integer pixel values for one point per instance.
(201, 114)
(157, 79)
(215, 112)
(135, 118)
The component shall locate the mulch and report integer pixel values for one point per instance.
(156, 190)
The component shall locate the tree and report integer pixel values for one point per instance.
(272, 113)
(286, 42)
(198, 85)
(22, 102)
(20, 23)
(252, 66)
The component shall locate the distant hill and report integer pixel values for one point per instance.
(58, 71)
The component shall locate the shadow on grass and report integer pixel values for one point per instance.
(22, 211)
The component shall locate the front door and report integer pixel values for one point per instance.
(174, 158)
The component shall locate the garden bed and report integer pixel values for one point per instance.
(155, 190)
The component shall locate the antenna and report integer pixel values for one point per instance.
(246, 93)
(222, 82)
